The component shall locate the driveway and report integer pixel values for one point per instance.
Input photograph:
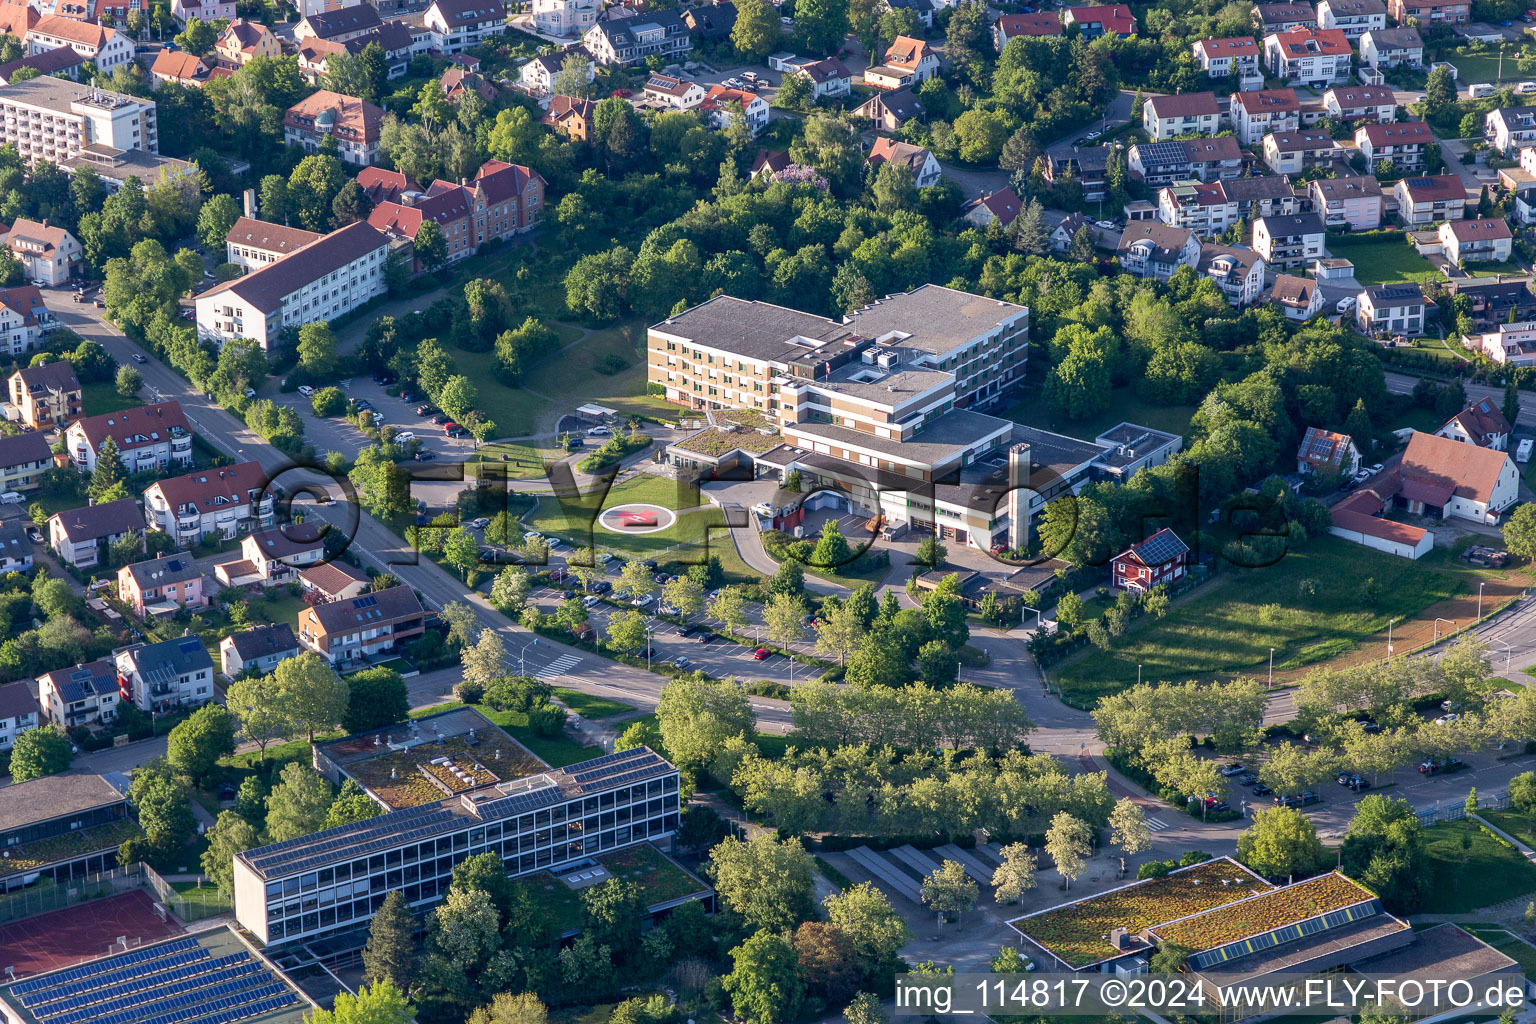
(1118, 113)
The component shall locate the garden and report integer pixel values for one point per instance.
(1272, 910)
(396, 777)
(1382, 258)
(1470, 867)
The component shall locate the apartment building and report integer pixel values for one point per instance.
(1153, 249)
(1162, 163)
(351, 632)
(1315, 57)
(1289, 241)
(630, 40)
(1258, 113)
(1289, 153)
(79, 535)
(1478, 240)
(1283, 17)
(1391, 47)
(721, 104)
(83, 695)
(1428, 12)
(456, 25)
(252, 244)
(1511, 344)
(503, 200)
(1237, 270)
(1423, 201)
(336, 879)
(1164, 117)
(162, 586)
(1361, 103)
(1025, 26)
(321, 282)
(1088, 164)
(244, 41)
(1494, 300)
(1352, 17)
(218, 503)
(163, 676)
(259, 649)
(107, 48)
(23, 459)
(1111, 19)
(1260, 196)
(1508, 128)
(564, 17)
(1390, 309)
(352, 123)
(68, 123)
(272, 556)
(25, 320)
(1354, 202)
(338, 24)
(147, 437)
(1222, 58)
(1404, 144)
(1203, 209)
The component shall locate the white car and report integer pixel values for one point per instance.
(591, 601)
(681, 661)
(480, 523)
(598, 432)
(552, 542)
(404, 436)
(250, 392)
(306, 391)
(1447, 719)
(533, 535)
(643, 601)
(1345, 304)
(603, 557)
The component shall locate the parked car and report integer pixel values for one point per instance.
(480, 523)
(422, 410)
(1247, 779)
(761, 654)
(690, 629)
(425, 455)
(1260, 789)
(598, 432)
(1453, 764)
(646, 652)
(591, 601)
(643, 601)
(1229, 770)
(706, 637)
(601, 586)
(1429, 766)
(681, 661)
(362, 405)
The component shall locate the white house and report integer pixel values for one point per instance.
(209, 503)
(1352, 202)
(1481, 423)
(272, 556)
(1361, 103)
(49, 254)
(1221, 58)
(925, 169)
(259, 649)
(829, 78)
(78, 535)
(1153, 249)
(163, 676)
(1508, 345)
(1405, 144)
(456, 25)
(1163, 117)
(1299, 298)
(18, 712)
(1423, 201)
(82, 695)
(669, 91)
(564, 17)
(1390, 47)
(1442, 478)
(1203, 209)
(1317, 57)
(720, 105)
(1237, 270)
(1256, 114)
(1327, 451)
(1507, 128)
(1289, 240)
(107, 48)
(1479, 240)
(538, 75)
(147, 437)
(1352, 17)
(1390, 309)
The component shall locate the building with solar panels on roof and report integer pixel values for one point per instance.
(563, 821)
(163, 676)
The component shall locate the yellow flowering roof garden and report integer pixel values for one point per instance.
(1274, 909)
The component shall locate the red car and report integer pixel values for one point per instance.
(636, 518)
(761, 654)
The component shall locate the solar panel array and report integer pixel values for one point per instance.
(174, 983)
(383, 832)
(1161, 548)
(1286, 933)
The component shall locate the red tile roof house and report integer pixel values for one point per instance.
(208, 504)
(1355, 519)
(148, 437)
(1481, 423)
(354, 630)
(331, 581)
(272, 556)
(162, 586)
(1441, 478)
(502, 201)
(1161, 558)
(1029, 26)
(1002, 207)
(1325, 451)
(1116, 20)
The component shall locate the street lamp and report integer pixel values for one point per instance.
(1271, 685)
(1439, 620)
(1480, 587)
(522, 661)
(1389, 638)
(1508, 651)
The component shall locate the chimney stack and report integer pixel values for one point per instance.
(250, 203)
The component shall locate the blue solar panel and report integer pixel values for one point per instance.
(153, 988)
(102, 966)
(192, 961)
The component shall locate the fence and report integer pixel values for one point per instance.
(205, 901)
(46, 895)
(1454, 811)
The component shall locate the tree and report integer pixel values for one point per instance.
(39, 752)
(840, 629)
(375, 697)
(108, 476)
(877, 931)
(685, 595)
(764, 984)
(1128, 830)
(431, 247)
(822, 25)
(312, 189)
(350, 205)
(1511, 406)
(729, 608)
(1281, 843)
(790, 579)
(698, 717)
(627, 631)
(1520, 530)
(231, 834)
(1470, 804)
(317, 350)
(832, 551)
(216, 218)
(756, 32)
(826, 961)
(613, 913)
(484, 661)
(312, 693)
(784, 620)
(129, 380)
(1522, 792)
(1029, 232)
(949, 890)
(195, 745)
(865, 1009)
(351, 805)
(164, 807)
(197, 39)
(981, 133)
(767, 882)
(506, 1008)
(639, 734)
(466, 929)
(1068, 842)
(298, 803)
(379, 1003)
(636, 578)
(1015, 875)
(1439, 90)
(1384, 848)
(509, 593)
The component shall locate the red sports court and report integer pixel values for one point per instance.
(85, 931)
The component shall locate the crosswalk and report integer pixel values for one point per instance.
(1157, 824)
(559, 667)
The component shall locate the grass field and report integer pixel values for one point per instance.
(1489, 269)
(1124, 407)
(205, 895)
(1231, 627)
(1383, 261)
(588, 706)
(1479, 68)
(1481, 875)
(103, 398)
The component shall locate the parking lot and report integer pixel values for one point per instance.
(337, 435)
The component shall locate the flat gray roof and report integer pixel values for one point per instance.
(752, 330)
(938, 319)
(58, 93)
(939, 439)
(54, 796)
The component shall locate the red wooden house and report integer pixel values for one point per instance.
(1161, 558)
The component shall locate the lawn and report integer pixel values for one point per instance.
(1485, 873)
(102, 397)
(588, 706)
(522, 462)
(1489, 269)
(1478, 68)
(1383, 261)
(556, 751)
(1521, 826)
(1232, 627)
(279, 606)
(1124, 407)
(205, 895)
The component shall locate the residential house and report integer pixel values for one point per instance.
(24, 458)
(162, 586)
(720, 105)
(1260, 196)
(208, 11)
(1153, 249)
(1160, 560)
(179, 67)
(1428, 12)
(668, 91)
(339, 24)
(503, 200)
(924, 10)
(1299, 298)
(1283, 17)
(1481, 423)
(60, 62)
(1353, 202)
(458, 81)
(711, 22)
(272, 556)
(353, 630)
(1479, 240)
(46, 397)
(1222, 58)
(1508, 128)
(1188, 113)
(257, 650)
(147, 437)
(1089, 165)
(1404, 144)
(49, 254)
(332, 581)
(1390, 309)
(1493, 300)
(1390, 47)
(18, 18)
(1361, 103)
(456, 25)
(1293, 152)
(1064, 233)
(1162, 163)
(1315, 57)
(1237, 270)
(244, 41)
(163, 676)
(888, 111)
(1027, 26)
(1511, 344)
(107, 48)
(1326, 451)
(353, 124)
(1112, 20)
(85, 695)
(1256, 114)
(79, 535)
(925, 169)
(630, 40)
(18, 712)
(16, 546)
(25, 320)
(217, 503)
(565, 17)
(1352, 17)
(382, 186)
(571, 116)
(322, 281)
(1289, 241)
(1423, 201)
(1442, 478)
(1203, 209)
(908, 62)
(253, 244)
(769, 163)
(538, 75)
(829, 78)
(999, 207)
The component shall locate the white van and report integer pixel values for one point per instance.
(404, 436)
(1479, 91)
(1523, 451)
(12, 498)
(1525, 88)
